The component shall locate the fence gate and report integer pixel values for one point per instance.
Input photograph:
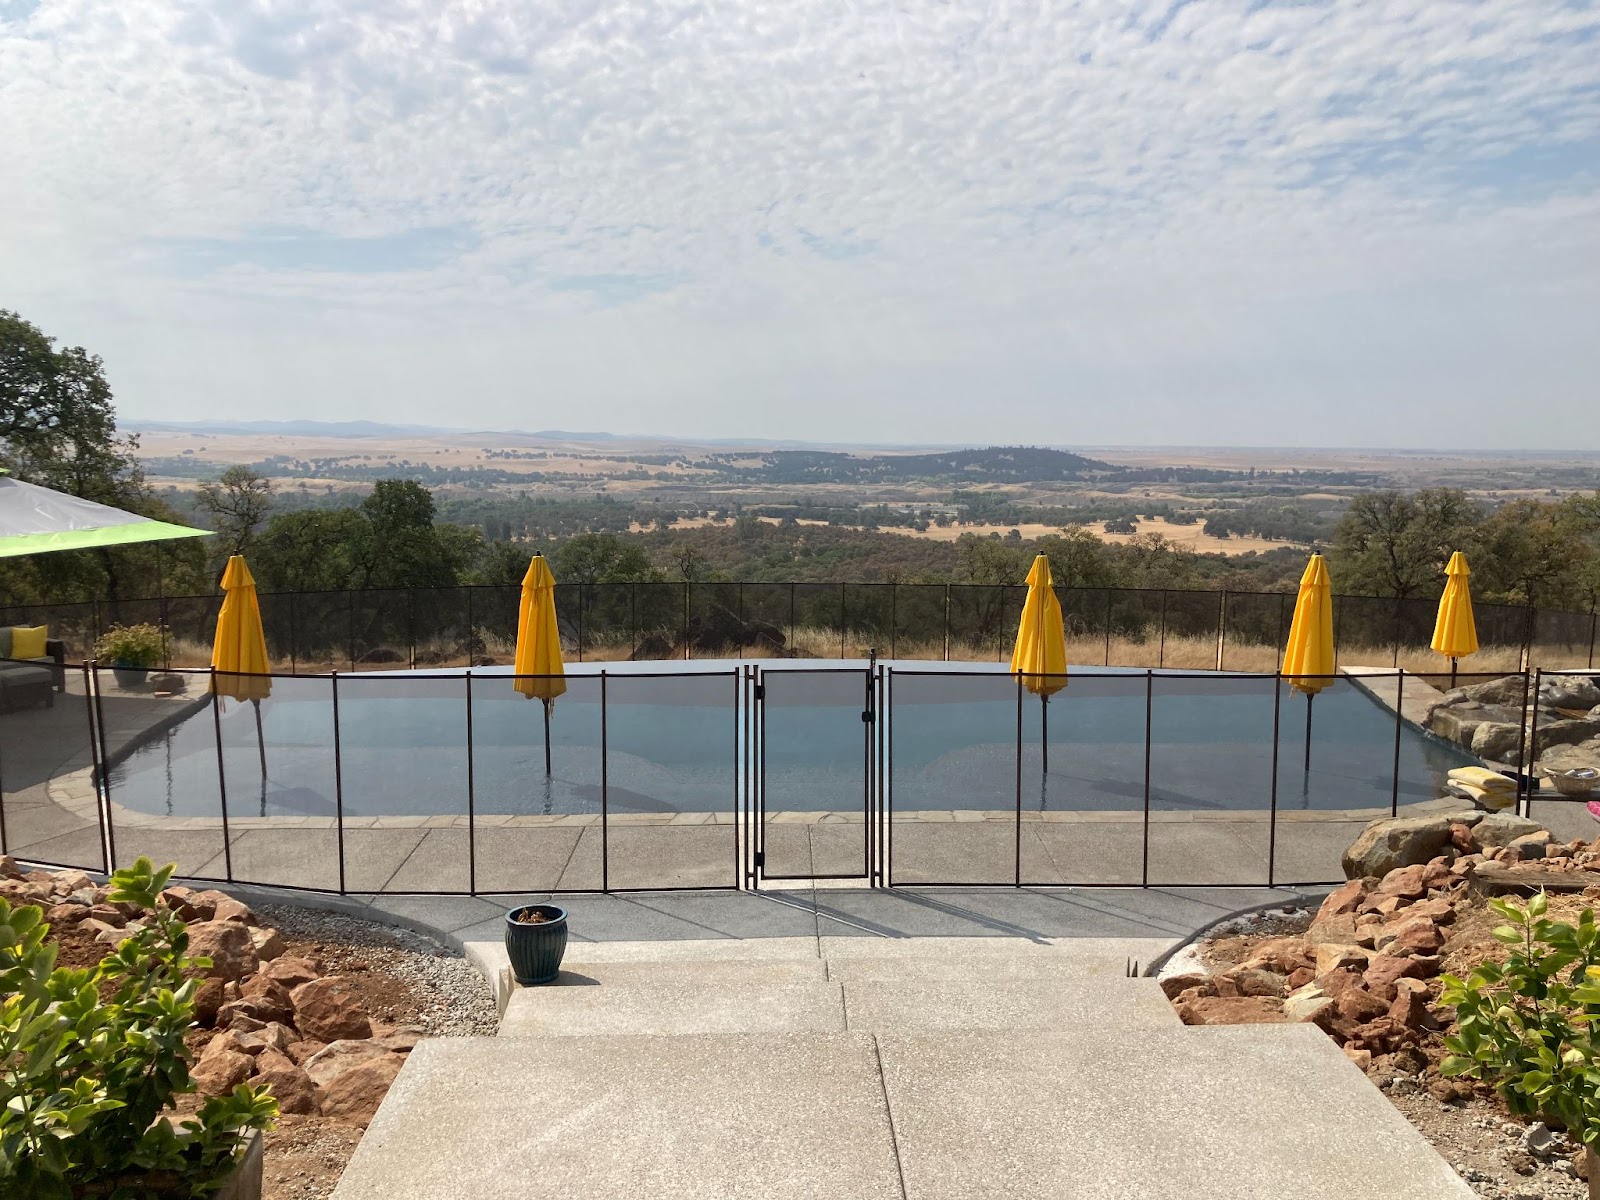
(815, 775)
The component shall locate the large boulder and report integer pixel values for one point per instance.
(1503, 828)
(1458, 723)
(1569, 691)
(354, 1093)
(1392, 842)
(1507, 690)
(290, 1085)
(1563, 733)
(329, 1010)
(227, 944)
(1497, 740)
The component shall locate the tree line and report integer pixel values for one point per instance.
(58, 428)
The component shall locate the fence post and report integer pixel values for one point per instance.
(843, 624)
(1017, 881)
(1272, 818)
(472, 849)
(1594, 617)
(294, 633)
(894, 617)
(581, 587)
(1108, 627)
(1524, 765)
(1222, 626)
(1399, 724)
(686, 592)
(946, 623)
(1527, 642)
(350, 613)
(472, 633)
(1149, 708)
(605, 783)
(1161, 654)
(338, 778)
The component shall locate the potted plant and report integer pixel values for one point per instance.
(536, 938)
(1527, 1025)
(132, 650)
(95, 1056)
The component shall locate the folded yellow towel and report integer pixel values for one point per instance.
(1483, 777)
(1495, 800)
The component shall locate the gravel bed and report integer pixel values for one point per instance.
(456, 1000)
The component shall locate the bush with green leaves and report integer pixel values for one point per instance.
(1527, 1024)
(132, 645)
(92, 1059)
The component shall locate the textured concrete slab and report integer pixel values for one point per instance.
(712, 1006)
(989, 1002)
(1084, 958)
(285, 858)
(523, 859)
(687, 1118)
(674, 856)
(1247, 1113)
(690, 975)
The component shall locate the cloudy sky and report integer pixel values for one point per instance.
(1223, 221)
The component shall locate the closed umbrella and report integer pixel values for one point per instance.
(239, 666)
(1040, 656)
(1308, 662)
(539, 667)
(1455, 633)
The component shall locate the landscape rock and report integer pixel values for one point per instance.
(227, 944)
(329, 1010)
(219, 1073)
(1308, 1003)
(1530, 845)
(1408, 938)
(1331, 956)
(1385, 970)
(1497, 878)
(1507, 690)
(1173, 985)
(291, 1086)
(207, 1000)
(334, 1059)
(1500, 829)
(268, 942)
(1230, 1010)
(9, 868)
(306, 1049)
(1458, 722)
(1344, 899)
(355, 1094)
(291, 972)
(1572, 732)
(1410, 1005)
(1391, 842)
(1569, 691)
(1497, 740)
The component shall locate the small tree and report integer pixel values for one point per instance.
(90, 1061)
(237, 503)
(1526, 1025)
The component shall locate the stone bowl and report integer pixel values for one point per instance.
(1579, 781)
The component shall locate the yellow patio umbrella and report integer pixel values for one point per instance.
(1040, 656)
(239, 666)
(1455, 633)
(1308, 661)
(539, 643)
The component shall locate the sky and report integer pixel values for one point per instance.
(1220, 222)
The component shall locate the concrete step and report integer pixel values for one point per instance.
(1247, 1113)
(718, 1007)
(690, 974)
(1062, 1005)
(964, 964)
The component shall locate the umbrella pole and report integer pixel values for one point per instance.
(547, 737)
(261, 748)
(1452, 671)
(1044, 730)
(1310, 696)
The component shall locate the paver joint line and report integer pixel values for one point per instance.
(888, 1112)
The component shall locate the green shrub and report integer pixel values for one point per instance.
(131, 645)
(91, 1060)
(1527, 1025)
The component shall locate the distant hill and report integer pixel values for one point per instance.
(343, 429)
(993, 464)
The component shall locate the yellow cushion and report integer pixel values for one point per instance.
(28, 642)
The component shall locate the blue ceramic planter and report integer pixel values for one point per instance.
(535, 949)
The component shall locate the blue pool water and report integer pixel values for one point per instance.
(675, 743)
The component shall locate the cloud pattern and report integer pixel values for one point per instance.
(1092, 222)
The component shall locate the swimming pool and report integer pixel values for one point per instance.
(956, 738)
